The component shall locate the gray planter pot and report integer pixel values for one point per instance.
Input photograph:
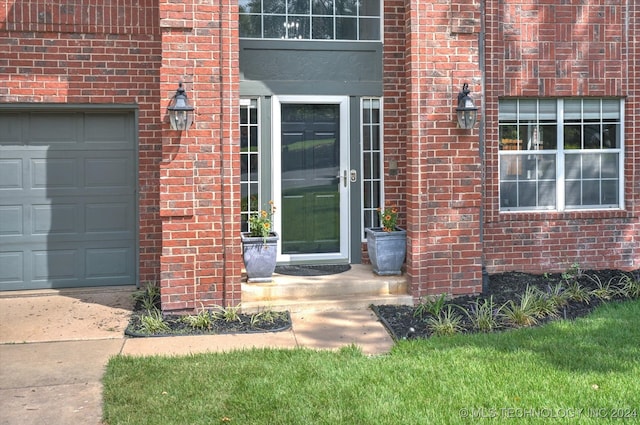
(259, 256)
(387, 250)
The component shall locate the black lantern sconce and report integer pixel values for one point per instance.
(466, 111)
(180, 111)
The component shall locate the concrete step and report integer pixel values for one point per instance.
(351, 302)
(355, 289)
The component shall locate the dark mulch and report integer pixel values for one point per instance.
(244, 324)
(403, 323)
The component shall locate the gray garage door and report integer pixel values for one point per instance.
(67, 199)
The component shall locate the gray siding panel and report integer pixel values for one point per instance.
(310, 67)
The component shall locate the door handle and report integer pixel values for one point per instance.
(352, 177)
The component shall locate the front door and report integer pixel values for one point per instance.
(311, 147)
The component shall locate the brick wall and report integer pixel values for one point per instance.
(199, 180)
(92, 51)
(441, 180)
(569, 49)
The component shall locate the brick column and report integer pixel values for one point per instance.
(199, 184)
(444, 170)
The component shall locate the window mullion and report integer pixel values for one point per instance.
(560, 184)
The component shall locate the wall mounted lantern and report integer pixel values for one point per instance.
(467, 111)
(180, 111)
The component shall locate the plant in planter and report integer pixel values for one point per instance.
(260, 246)
(387, 245)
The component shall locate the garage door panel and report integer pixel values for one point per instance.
(10, 129)
(110, 131)
(108, 217)
(108, 173)
(53, 129)
(11, 269)
(10, 172)
(67, 200)
(55, 219)
(108, 262)
(54, 264)
(11, 223)
(50, 173)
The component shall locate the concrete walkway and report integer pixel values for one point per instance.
(54, 346)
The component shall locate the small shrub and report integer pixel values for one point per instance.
(484, 315)
(148, 297)
(267, 316)
(603, 291)
(543, 304)
(228, 314)
(629, 287)
(575, 292)
(523, 313)
(202, 320)
(152, 322)
(448, 322)
(430, 304)
(557, 296)
(573, 273)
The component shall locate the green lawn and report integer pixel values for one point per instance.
(587, 371)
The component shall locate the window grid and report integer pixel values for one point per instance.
(310, 19)
(372, 183)
(249, 160)
(560, 154)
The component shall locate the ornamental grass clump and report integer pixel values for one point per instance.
(388, 218)
(260, 223)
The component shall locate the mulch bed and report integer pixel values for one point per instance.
(177, 327)
(402, 322)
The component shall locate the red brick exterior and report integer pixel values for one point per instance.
(199, 180)
(569, 49)
(133, 53)
(92, 52)
(431, 49)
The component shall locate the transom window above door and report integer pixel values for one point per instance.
(310, 19)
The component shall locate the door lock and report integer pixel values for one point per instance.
(354, 176)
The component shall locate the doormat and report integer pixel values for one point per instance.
(312, 269)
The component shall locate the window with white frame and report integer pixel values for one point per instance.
(310, 19)
(371, 160)
(561, 154)
(249, 160)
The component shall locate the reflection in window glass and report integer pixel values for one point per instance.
(371, 161)
(310, 19)
(249, 160)
(588, 152)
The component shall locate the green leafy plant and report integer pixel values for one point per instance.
(573, 273)
(629, 287)
(267, 316)
(544, 304)
(148, 296)
(228, 314)
(484, 315)
(525, 312)
(430, 304)
(202, 320)
(576, 292)
(557, 296)
(448, 322)
(603, 291)
(388, 218)
(152, 322)
(260, 223)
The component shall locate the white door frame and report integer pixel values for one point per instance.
(276, 160)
